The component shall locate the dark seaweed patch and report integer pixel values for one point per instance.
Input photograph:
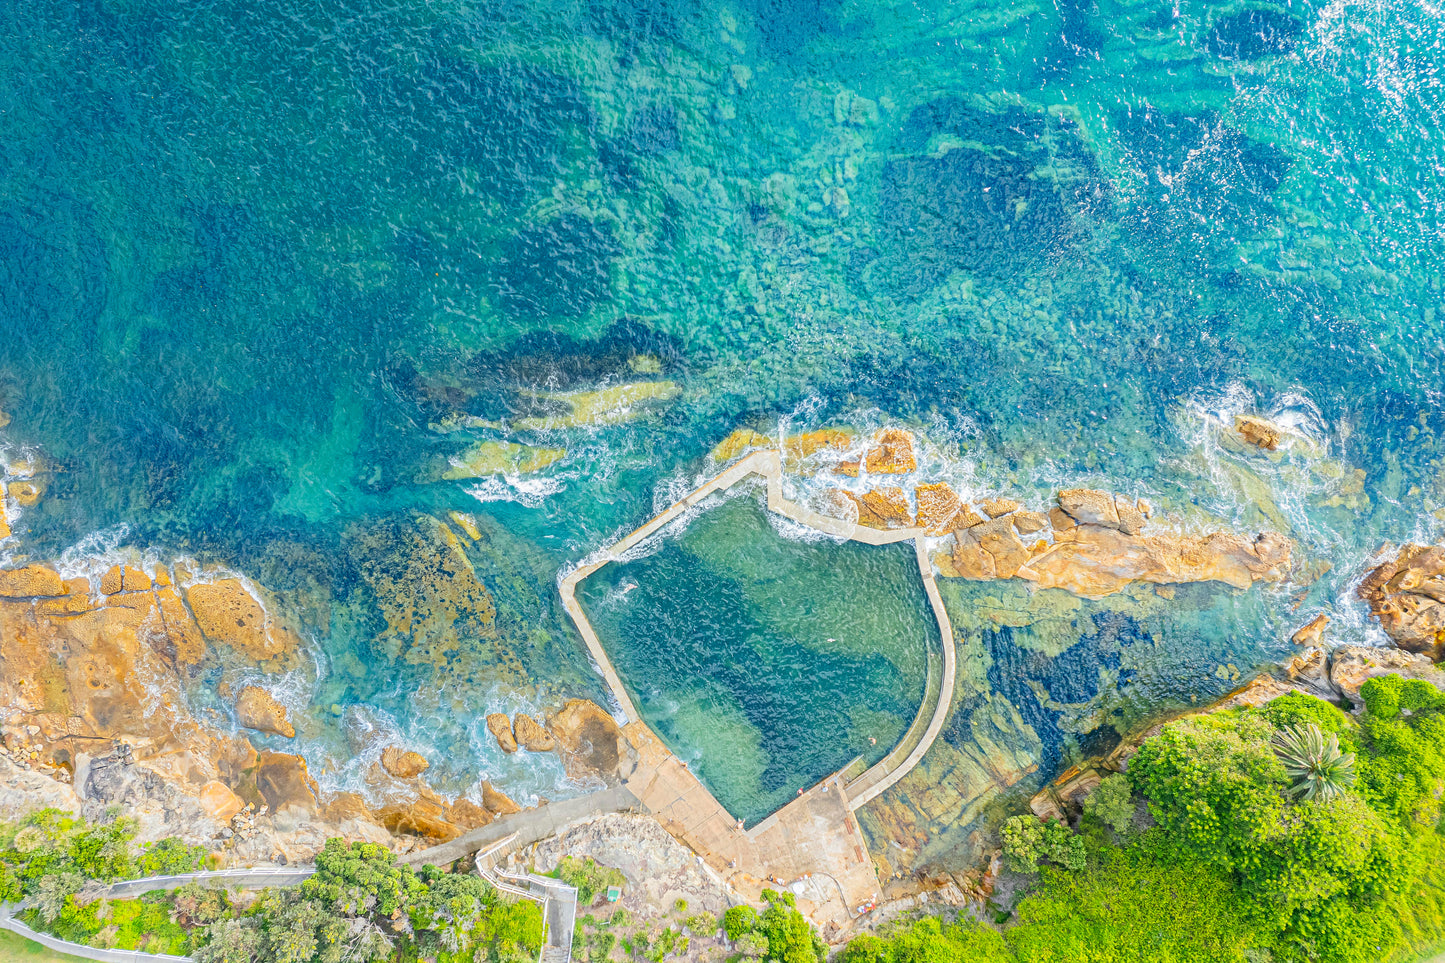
(1255, 33)
(652, 131)
(554, 358)
(508, 123)
(558, 269)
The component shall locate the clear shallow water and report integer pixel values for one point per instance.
(251, 252)
(767, 663)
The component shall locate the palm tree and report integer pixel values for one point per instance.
(1316, 767)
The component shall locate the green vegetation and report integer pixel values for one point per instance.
(1267, 846)
(1112, 804)
(360, 906)
(779, 934)
(1026, 841)
(590, 877)
(1313, 761)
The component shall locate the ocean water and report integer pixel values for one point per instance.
(266, 266)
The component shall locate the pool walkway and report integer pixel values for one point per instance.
(813, 843)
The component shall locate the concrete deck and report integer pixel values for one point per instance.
(813, 843)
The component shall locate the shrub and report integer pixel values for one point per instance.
(1026, 841)
(739, 920)
(590, 877)
(1112, 803)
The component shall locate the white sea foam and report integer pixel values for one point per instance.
(529, 491)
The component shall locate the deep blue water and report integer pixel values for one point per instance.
(254, 256)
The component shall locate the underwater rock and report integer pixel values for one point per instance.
(256, 709)
(532, 735)
(1311, 631)
(796, 448)
(1406, 596)
(497, 802)
(499, 458)
(403, 763)
(436, 610)
(1351, 665)
(229, 614)
(26, 493)
(123, 578)
(500, 726)
(892, 453)
(614, 405)
(938, 505)
(32, 581)
(1258, 432)
(589, 740)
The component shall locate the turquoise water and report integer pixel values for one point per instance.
(767, 662)
(255, 256)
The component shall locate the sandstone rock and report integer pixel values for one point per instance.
(589, 740)
(1258, 432)
(966, 517)
(1061, 520)
(997, 538)
(996, 507)
(180, 638)
(26, 493)
(75, 601)
(1310, 632)
(1406, 595)
(32, 581)
(798, 447)
(501, 727)
(256, 709)
(497, 802)
(1310, 667)
(402, 763)
(882, 508)
(1131, 517)
(892, 453)
(740, 441)
(468, 815)
(1029, 522)
(1088, 506)
(219, 802)
(1097, 561)
(425, 816)
(531, 735)
(1351, 665)
(123, 578)
(279, 780)
(937, 506)
(229, 614)
(970, 560)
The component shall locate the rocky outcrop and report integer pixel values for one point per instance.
(228, 614)
(1098, 546)
(1406, 594)
(256, 709)
(403, 763)
(497, 802)
(500, 726)
(1351, 665)
(797, 449)
(32, 581)
(891, 453)
(589, 740)
(1258, 432)
(1311, 632)
(532, 735)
